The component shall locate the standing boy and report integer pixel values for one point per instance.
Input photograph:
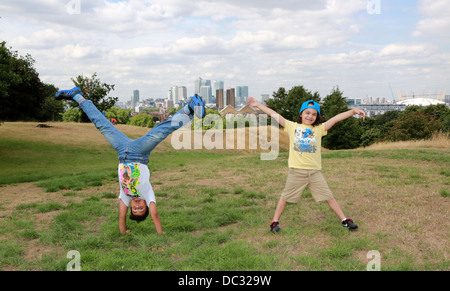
(305, 162)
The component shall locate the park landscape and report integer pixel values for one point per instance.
(59, 193)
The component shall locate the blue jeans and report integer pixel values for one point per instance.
(138, 150)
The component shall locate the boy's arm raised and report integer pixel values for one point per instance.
(344, 115)
(254, 103)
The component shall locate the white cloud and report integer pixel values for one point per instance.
(436, 22)
(265, 44)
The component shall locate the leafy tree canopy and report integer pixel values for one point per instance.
(22, 94)
(96, 91)
(288, 104)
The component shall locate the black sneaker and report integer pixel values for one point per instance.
(68, 94)
(275, 227)
(348, 223)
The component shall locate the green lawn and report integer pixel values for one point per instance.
(216, 208)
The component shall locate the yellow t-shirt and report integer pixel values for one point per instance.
(305, 142)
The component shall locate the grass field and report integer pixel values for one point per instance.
(59, 193)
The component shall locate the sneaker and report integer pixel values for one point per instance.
(197, 106)
(275, 227)
(67, 94)
(348, 223)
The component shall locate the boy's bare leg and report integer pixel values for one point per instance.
(279, 210)
(336, 208)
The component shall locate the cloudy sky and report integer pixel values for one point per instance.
(362, 46)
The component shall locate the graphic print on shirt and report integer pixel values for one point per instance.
(129, 179)
(305, 141)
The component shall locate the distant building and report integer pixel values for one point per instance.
(177, 94)
(219, 99)
(420, 102)
(198, 84)
(169, 103)
(205, 93)
(241, 94)
(374, 106)
(229, 111)
(354, 101)
(135, 99)
(377, 109)
(231, 97)
(218, 84)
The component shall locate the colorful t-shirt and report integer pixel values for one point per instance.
(134, 180)
(305, 142)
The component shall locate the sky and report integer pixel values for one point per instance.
(365, 47)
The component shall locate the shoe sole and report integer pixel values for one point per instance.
(351, 227)
(275, 229)
(67, 94)
(196, 104)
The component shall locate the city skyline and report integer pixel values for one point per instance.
(366, 47)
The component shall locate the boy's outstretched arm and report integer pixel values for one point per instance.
(254, 103)
(123, 217)
(155, 217)
(344, 115)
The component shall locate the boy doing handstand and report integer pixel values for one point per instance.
(135, 189)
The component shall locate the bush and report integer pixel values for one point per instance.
(72, 115)
(143, 120)
(413, 125)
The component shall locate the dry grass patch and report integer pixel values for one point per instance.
(216, 208)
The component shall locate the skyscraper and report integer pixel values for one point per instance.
(219, 99)
(231, 97)
(177, 93)
(241, 94)
(174, 94)
(198, 84)
(205, 93)
(218, 84)
(135, 98)
(182, 93)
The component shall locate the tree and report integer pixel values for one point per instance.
(96, 91)
(440, 111)
(72, 115)
(121, 115)
(345, 134)
(288, 104)
(370, 136)
(22, 93)
(143, 120)
(52, 109)
(413, 125)
(173, 110)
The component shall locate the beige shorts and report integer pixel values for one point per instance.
(297, 181)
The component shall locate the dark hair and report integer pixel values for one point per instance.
(316, 122)
(139, 218)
